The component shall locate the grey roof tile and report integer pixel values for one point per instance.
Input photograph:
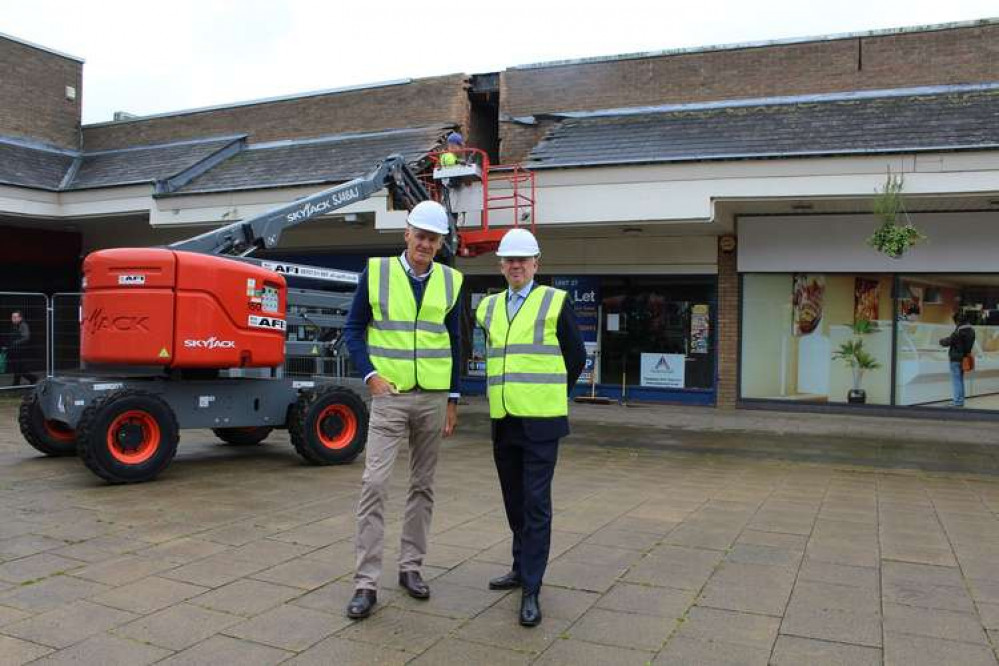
(26, 166)
(143, 164)
(324, 160)
(870, 124)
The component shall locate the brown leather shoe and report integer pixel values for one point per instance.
(412, 582)
(361, 604)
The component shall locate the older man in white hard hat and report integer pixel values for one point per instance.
(535, 354)
(403, 334)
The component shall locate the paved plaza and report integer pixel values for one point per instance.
(679, 539)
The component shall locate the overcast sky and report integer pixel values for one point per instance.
(146, 57)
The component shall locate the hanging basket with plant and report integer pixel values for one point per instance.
(891, 238)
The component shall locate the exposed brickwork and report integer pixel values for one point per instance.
(33, 102)
(959, 55)
(422, 102)
(728, 329)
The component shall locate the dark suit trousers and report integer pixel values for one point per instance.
(526, 469)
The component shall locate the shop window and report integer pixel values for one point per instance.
(819, 338)
(657, 333)
(925, 309)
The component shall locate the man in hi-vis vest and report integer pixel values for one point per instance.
(403, 334)
(534, 356)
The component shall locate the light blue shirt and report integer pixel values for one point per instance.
(409, 269)
(514, 299)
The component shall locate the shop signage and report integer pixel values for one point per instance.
(700, 329)
(584, 290)
(663, 370)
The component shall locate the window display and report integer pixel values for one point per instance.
(924, 375)
(820, 338)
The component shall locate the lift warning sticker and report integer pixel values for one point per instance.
(269, 299)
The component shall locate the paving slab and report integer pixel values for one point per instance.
(289, 627)
(223, 649)
(795, 651)
(14, 651)
(106, 650)
(177, 627)
(581, 653)
(342, 652)
(148, 595)
(908, 650)
(400, 630)
(688, 652)
(68, 624)
(246, 597)
(628, 630)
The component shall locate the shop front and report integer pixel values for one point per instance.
(873, 332)
(649, 338)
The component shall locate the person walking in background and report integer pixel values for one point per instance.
(18, 361)
(535, 354)
(959, 345)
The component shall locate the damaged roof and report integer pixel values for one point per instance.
(325, 160)
(212, 164)
(926, 119)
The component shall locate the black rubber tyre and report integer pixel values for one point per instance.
(50, 437)
(127, 436)
(329, 426)
(242, 436)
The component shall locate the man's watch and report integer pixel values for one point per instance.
(453, 401)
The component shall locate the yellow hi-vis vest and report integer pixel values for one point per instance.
(525, 371)
(410, 348)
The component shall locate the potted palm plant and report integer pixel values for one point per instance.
(860, 360)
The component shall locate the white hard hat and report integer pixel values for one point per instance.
(429, 216)
(518, 243)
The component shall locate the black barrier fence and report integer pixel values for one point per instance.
(24, 338)
(64, 352)
(40, 336)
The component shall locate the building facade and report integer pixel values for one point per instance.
(707, 208)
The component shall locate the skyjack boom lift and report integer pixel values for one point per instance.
(193, 336)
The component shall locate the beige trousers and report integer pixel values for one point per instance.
(416, 417)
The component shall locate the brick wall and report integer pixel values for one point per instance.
(419, 103)
(33, 102)
(728, 329)
(957, 55)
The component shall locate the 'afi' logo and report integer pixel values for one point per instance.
(99, 321)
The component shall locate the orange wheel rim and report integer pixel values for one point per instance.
(59, 431)
(135, 423)
(336, 426)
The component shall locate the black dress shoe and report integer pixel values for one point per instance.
(507, 581)
(361, 604)
(530, 610)
(412, 582)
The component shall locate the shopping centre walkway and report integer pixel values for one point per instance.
(683, 536)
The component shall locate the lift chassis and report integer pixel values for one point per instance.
(124, 423)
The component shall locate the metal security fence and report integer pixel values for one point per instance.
(24, 338)
(64, 331)
(53, 329)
